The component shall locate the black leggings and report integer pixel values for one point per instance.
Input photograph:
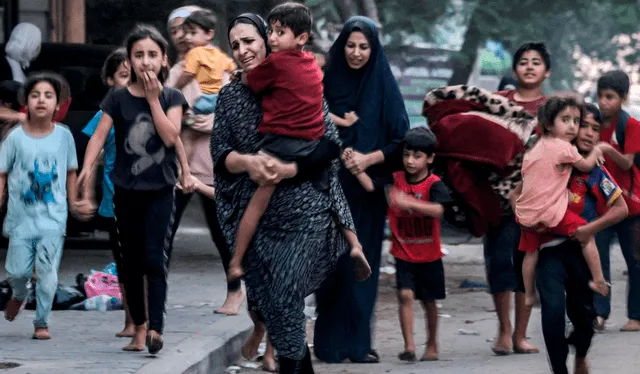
(145, 222)
(209, 207)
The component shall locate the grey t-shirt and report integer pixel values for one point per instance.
(143, 162)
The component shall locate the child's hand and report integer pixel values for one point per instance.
(351, 118)
(236, 75)
(347, 154)
(152, 86)
(188, 183)
(83, 210)
(604, 147)
(582, 235)
(400, 200)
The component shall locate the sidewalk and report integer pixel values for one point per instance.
(196, 340)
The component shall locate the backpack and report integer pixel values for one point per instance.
(621, 127)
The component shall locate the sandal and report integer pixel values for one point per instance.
(154, 342)
(407, 356)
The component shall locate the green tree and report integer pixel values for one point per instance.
(566, 26)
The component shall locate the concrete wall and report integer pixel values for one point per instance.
(32, 11)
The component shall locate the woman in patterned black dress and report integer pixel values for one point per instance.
(298, 241)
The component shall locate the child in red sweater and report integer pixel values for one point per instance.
(292, 118)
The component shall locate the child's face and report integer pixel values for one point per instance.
(197, 36)
(121, 77)
(566, 124)
(42, 101)
(610, 102)
(531, 70)
(282, 38)
(588, 134)
(415, 162)
(145, 56)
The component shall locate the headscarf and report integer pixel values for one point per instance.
(182, 12)
(23, 47)
(255, 20)
(371, 91)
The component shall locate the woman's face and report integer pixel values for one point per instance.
(357, 50)
(248, 47)
(176, 29)
(589, 134)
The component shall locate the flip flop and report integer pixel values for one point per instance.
(527, 351)
(154, 342)
(500, 352)
(407, 356)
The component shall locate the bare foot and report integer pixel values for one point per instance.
(502, 345)
(599, 286)
(631, 326)
(523, 347)
(232, 304)
(128, 331)
(581, 366)
(251, 345)
(41, 334)
(235, 272)
(363, 270)
(269, 363)
(431, 353)
(138, 340)
(12, 309)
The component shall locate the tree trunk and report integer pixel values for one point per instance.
(346, 9)
(370, 9)
(463, 63)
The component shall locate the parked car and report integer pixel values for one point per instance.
(81, 65)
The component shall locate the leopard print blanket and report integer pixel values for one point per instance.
(504, 113)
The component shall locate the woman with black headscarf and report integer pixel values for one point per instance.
(358, 79)
(298, 241)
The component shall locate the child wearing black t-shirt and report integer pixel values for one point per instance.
(146, 120)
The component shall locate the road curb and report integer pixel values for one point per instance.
(209, 352)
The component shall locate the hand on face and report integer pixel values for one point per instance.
(152, 86)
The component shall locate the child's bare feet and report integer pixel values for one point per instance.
(128, 331)
(138, 340)
(581, 366)
(232, 304)
(599, 286)
(12, 309)
(251, 345)
(631, 326)
(269, 363)
(235, 272)
(431, 353)
(363, 270)
(41, 334)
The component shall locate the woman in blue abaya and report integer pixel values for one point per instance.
(358, 80)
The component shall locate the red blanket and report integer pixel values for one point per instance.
(474, 140)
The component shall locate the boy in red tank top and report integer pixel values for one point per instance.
(415, 207)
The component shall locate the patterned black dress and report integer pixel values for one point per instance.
(298, 241)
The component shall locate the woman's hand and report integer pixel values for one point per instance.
(281, 170)
(259, 168)
(152, 86)
(355, 161)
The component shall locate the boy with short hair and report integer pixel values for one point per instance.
(204, 62)
(416, 203)
(621, 133)
(531, 66)
(290, 82)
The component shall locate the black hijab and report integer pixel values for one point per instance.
(371, 91)
(252, 19)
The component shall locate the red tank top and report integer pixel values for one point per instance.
(415, 237)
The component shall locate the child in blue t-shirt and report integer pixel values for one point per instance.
(116, 73)
(38, 160)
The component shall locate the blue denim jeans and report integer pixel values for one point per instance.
(45, 253)
(628, 232)
(502, 259)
